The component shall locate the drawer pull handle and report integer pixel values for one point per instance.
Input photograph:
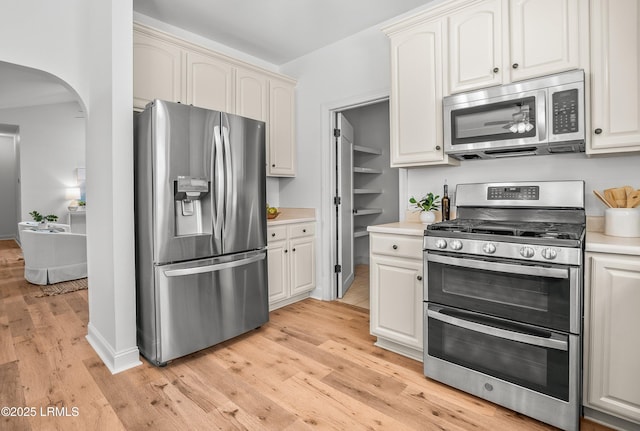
(419, 278)
(395, 247)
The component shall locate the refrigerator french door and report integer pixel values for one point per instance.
(200, 203)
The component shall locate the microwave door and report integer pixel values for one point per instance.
(509, 121)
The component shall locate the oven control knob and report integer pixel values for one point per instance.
(489, 248)
(549, 253)
(456, 245)
(441, 243)
(527, 252)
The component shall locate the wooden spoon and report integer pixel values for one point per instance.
(633, 199)
(603, 199)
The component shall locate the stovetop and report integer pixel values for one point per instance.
(542, 230)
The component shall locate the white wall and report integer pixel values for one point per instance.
(49, 36)
(88, 45)
(598, 173)
(52, 146)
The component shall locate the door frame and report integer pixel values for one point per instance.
(13, 132)
(330, 244)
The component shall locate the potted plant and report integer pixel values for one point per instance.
(42, 220)
(426, 206)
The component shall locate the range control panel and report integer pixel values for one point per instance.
(521, 193)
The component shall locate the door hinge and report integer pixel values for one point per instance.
(337, 200)
(337, 268)
(336, 133)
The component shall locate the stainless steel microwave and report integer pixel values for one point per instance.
(537, 116)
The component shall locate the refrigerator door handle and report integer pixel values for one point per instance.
(231, 198)
(220, 181)
(214, 267)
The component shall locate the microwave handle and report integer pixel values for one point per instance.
(541, 113)
(551, 343)
(537, 271)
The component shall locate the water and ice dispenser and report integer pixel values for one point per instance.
(192, 206)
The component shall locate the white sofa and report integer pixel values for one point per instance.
(52, 256)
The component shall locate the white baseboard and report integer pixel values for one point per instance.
(115, 361)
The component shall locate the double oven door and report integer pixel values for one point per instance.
(507, 331)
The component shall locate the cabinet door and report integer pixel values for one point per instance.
(396, 300)
(252, 89)
(416, 97)
(278, 270)
(545, 37)
(303, 265)
(157, 70)
(209, 82)
(615, 76)
(281, 144)
(475, 47)
(612, 347)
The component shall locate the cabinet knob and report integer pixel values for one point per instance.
(419, 278)
(598, 131)
(273, 165)
(286, 251)
(496, 70)
(273, 234)
(437, 147)
(395, 247)
(304, 231)
(515, 65)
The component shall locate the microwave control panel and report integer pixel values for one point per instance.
(565, 111)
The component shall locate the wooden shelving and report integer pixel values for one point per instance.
(366, 191)
(361, 170)
(366, 211)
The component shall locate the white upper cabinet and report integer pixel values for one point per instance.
(209, 82)
(252, 92)
(615, 76)
(416, 96)
(475, 47)
(281, 149)
(496, 42)
(168, 68)
(157, 70)
(545, 37)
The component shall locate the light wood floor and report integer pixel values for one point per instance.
(313, 366)
(358, 293)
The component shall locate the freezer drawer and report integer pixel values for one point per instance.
(202, 303)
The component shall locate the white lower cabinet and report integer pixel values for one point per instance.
(612, 344)
(291, 255)
(396, 293)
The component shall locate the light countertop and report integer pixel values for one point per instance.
(597, 241)
(293, 215)
(400, 228)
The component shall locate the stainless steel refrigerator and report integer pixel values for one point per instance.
(201, 268)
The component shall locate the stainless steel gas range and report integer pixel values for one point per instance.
(503, 297)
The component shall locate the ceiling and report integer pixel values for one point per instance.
(22, 86)
(276, 31)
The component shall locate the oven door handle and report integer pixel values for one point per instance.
(551, 343)
(537, 271)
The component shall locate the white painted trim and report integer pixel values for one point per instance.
(328, 185)
(116, 362)
(403, 192)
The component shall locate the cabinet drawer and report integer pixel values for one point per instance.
(276, 233)
(302, 229)
(397, 245)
